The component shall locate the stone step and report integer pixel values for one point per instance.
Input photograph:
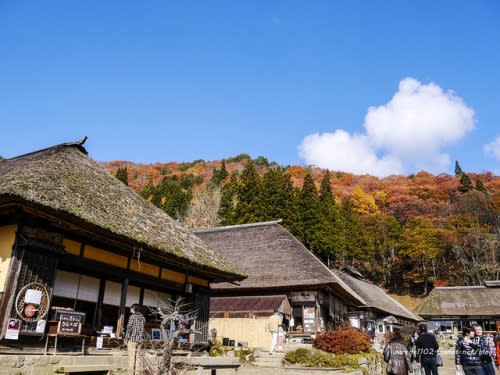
(85, 368)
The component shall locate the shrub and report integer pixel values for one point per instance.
(217, 349)
(374, 364)
(344, 340)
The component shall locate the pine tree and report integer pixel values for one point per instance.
(331, 232)
(458, 170)
(122, 175)
(219, 175)
(249, 206)
(228, 201)
(480, 186)
(310, 217)
(465, 183)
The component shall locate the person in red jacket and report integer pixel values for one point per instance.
(497, 344)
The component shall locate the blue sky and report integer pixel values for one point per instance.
(291, 80)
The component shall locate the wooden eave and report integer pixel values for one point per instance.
(74, 224)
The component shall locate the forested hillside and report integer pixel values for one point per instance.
(406, 233)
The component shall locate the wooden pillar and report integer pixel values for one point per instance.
(100, 299)
(123, 300)
(9, 293)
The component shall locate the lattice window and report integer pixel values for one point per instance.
(36, 267)
(202, 304)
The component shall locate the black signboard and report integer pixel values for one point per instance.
(70, 323)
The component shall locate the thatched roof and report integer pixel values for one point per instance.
(65, 182)
(376, 298)
(462, 301)
(273, 259)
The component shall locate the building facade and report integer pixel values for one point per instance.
(73, 238)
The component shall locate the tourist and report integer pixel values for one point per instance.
(467, 354)
(133, 337)
(397, 356)
(427, 348)
(412, 348)
(273, 327)
(487, 351)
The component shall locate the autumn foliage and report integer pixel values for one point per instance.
(343, 341)
(405, 233)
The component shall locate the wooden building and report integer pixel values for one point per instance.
(450, 309)
(380, 313)
(277, 264)
(72, 236)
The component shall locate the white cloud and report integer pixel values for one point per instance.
(407, 132)
(345, 152)
(493, 148)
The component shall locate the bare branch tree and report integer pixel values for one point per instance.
(204, 211)
(175, 316)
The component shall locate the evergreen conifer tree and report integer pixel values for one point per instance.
(122, 175)
(309, 215)
(458, 169)
(480, 186)
(219, 175)
(228, 201)
(331, 232)
(465, 183)
(249, 206)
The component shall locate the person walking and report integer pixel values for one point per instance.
(133, 337)
(427, 348)
(412, 348)
(397, 356)
(486, 351)
(273, 327)
(467, 354)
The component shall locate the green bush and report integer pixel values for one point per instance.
(218, 350)
(320, 359)
(345, 340)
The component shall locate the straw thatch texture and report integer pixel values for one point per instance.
(376, 298)
(273, 258)
(64, 180)
(462, 301)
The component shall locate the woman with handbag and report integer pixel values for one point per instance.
(397, 356)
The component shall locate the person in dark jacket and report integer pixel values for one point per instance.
(427, 348)
(486, 353)
(397, 356)
(467, 354)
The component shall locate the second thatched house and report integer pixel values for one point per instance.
(380, 313)
(78, 247)
(282, 273)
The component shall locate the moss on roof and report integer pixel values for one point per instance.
(63, 178)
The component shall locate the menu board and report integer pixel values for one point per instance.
(70, 323)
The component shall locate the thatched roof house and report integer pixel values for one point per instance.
(277, 263)
(455, 302)
(63, 181)
(375, 298)
(273, 259)
(81, 239)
